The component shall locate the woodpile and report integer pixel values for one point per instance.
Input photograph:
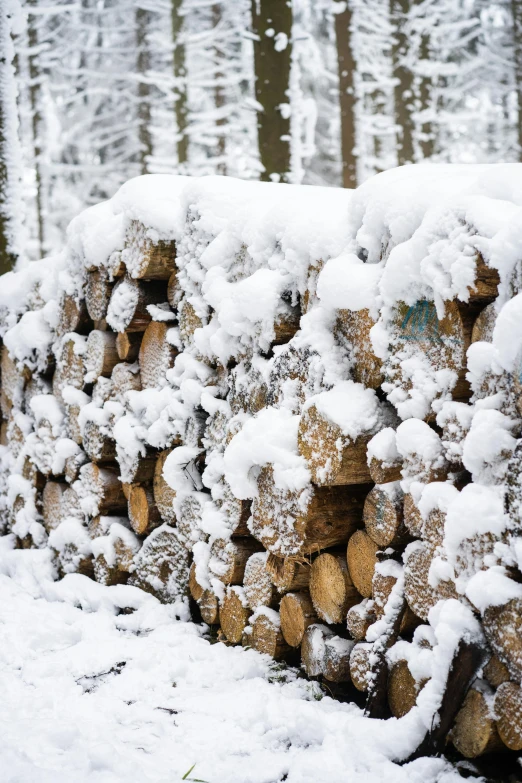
(345, 573)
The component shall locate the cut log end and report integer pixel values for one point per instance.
(297, 614)
(234, 614)
(331, 588)
(267, 638)
(508, 708)
(361, 556)
(144, 516)
(474, 731)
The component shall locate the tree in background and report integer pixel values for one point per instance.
(10, 157)
(323, 92)
(180, 82)
(35, 88)
(272, 27)
(142, 67)
(346, 67)
(403, 78)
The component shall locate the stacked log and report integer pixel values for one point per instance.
(345, 572)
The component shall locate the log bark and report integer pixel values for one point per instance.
(52, 504)
(151, 259)
(331, 588)
(474, 731)
(318, 442)
(359, 618)
(421, 597)
(266, 636)
(98, 294)
(383, 516)
(257, 582)
(100, 355)
(234, 614)
(164, 496)
(144, 516)
(128, 346)
(508, 709)
(228, 559)
(297, 613)
(361, 556)
(352, 330)
(284, 528)
(157, 355)
(129, 301)
(503, 629)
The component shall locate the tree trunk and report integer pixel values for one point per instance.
(142, 66)
(272, 27)
(427, 144)
(219, 94)
(9, 149)
(516, 9)
(403, 81)
(36, 117)
(346, 68)
(180, 77)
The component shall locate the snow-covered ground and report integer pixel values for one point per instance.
(90, 693)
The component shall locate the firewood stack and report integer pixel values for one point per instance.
(354, 569)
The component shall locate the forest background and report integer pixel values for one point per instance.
(93, 92)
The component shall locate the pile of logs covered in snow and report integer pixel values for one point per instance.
(342, 575)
